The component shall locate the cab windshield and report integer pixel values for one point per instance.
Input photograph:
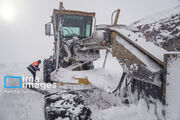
(76, 25)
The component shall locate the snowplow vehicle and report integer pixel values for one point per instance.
(77, 43)
(74, 47)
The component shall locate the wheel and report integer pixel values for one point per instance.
(48, 67)
(88, 66)
(66, 105)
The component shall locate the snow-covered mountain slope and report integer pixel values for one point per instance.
(163, 28)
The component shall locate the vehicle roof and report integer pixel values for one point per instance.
(73, 12)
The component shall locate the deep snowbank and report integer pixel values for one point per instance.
(137, 111)
(172, 89)
(105, 78)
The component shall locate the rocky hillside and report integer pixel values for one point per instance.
(163, 29)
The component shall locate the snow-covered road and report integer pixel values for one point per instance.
(28, 105)
(19, 103)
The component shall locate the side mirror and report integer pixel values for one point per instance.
(48, 29)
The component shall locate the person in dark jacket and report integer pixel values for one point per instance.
(33, 68)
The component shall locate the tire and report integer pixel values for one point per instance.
(48, 68)
(65, 105)
(88, 66)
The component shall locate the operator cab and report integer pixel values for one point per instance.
(74, 23)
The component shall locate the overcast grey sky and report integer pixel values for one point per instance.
(22, 36)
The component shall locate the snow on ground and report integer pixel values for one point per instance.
(173, 94)
(19, 103)
(21, 106)
(28, 105)
(137, 111)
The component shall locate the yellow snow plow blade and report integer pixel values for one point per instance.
(83, 81)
